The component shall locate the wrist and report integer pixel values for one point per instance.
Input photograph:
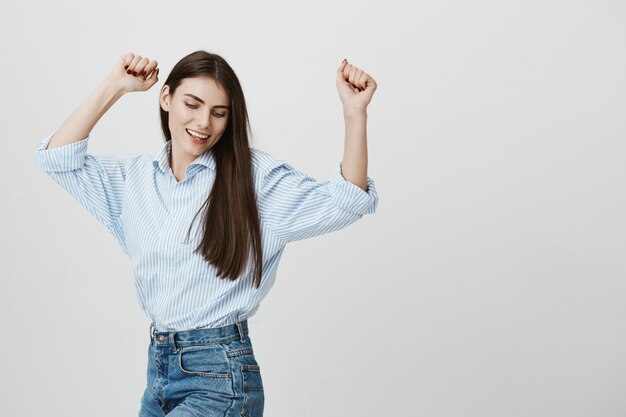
(354, 114)
(112, 89)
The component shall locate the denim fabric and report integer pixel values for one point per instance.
(203, 373)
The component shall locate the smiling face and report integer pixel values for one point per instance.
(199, 105)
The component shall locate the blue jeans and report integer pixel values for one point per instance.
(203, 373)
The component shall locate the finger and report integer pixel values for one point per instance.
(365, 80)
(346, 71)
(342, 65)
(141, 65)
(133, 64)
(357, 79)
(127, 58)
(340, 70)
(154, 76)
(149, 69)
(353, 70)
(139, 68)
(370, 83)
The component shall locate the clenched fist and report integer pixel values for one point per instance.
(134, 73)
(355, 87)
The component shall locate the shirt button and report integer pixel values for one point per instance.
(162, 279)
(173, 219)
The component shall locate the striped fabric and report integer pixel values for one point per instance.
(140, 202)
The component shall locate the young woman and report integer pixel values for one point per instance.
(200, 284)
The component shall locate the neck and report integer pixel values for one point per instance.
(177, 164)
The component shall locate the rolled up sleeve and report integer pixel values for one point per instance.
(61, 158)
(351, 197)
(296, 206)
(97, 182)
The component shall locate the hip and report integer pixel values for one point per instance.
(205, 369)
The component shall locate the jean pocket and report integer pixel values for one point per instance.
(254, 397)
(209, 361)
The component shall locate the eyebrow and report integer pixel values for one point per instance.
(202, 101)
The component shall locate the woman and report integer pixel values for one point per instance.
(200, 284)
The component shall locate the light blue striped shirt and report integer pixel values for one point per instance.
(141, 203)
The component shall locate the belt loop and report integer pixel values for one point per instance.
(151, 332)
(241, 333)
(174, 341)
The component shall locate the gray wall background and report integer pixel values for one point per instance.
(491, 280)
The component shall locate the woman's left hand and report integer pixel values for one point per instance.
(355, 87)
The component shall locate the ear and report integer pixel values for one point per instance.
(164, 97)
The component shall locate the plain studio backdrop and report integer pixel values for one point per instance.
(491, 279)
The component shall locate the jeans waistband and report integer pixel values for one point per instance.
(193, 337)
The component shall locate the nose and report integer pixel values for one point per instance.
(202, 125)
(204, 122)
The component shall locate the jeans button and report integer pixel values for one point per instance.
(162, 338)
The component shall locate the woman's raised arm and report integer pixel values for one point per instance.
(355, 88)
(121, 80)
(97, 182)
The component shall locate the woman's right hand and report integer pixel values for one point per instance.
(146, 73)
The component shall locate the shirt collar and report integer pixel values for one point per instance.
(161, 161)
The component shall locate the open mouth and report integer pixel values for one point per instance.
(197, 139)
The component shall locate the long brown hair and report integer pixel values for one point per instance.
(231, 221)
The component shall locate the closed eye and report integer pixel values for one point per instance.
(191, 106)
